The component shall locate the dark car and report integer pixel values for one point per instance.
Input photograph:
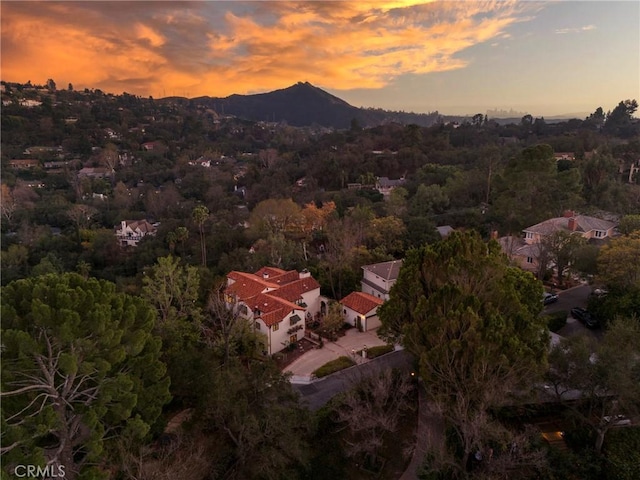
(585, 317)
(548, 298)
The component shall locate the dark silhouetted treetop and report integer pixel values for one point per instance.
(80, 367)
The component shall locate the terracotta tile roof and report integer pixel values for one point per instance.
(270, 271)
(273, 296)
(285, 278)
(361, 302)
(247, 285)
(293, 291)
(272, 309)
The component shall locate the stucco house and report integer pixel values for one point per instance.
(361, 310)
(528, 251)
(526, 256)
(587, 227)
(130, 232)
(378, 278)
(276, 302)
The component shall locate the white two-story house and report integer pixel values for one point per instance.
(378, 278)
(130, 232)
(277, 302)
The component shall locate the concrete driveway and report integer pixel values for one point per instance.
(344, 346)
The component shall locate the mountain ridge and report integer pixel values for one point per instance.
(303, 104)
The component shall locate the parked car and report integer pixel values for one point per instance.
(617, 420)
(598, 293)
(585, 317)
(548, 298)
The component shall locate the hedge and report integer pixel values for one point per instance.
(373, 352)
(333, 366)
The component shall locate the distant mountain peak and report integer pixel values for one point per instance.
(302, 104)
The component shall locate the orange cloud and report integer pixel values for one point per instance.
(219, 48)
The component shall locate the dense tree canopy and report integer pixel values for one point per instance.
(606, 383)
(472, 321)
(80, 364)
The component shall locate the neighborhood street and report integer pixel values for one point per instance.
(568, 299)
(318, 393)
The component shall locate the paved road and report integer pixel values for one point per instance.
(318, 393)
(574, 297)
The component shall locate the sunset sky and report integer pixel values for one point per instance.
(457, 57)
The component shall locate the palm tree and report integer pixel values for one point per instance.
(200, 215)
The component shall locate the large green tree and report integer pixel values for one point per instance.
(532, 189)
(473, 323)
(80, 366)
(561, 248)
(258, 418)
(598, 387)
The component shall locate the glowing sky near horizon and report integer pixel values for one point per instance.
(457, 57)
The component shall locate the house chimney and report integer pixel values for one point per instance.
(569, 213)
(265, 275)
(572, 224)
(123, 225)
(304, 274)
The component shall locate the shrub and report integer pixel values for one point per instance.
(373, 352)
(557, 320)
(333, 366)
(622, 449)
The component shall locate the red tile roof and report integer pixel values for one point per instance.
(270, 271)
(272, 309)
(293, 291)
(361, 302)
(274, 295)
(247, 285)
(285, 278)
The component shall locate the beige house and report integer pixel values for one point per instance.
(587, 227)
(276, 302)
(526, 256)
(528, 251)
(130, 232)
(378, 278)
(361, 310)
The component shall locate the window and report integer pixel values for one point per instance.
(294, 319)
(275, 326)
(528, 235)
(243, 309)
(529, 259)
(600, 234)
(257, 324)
